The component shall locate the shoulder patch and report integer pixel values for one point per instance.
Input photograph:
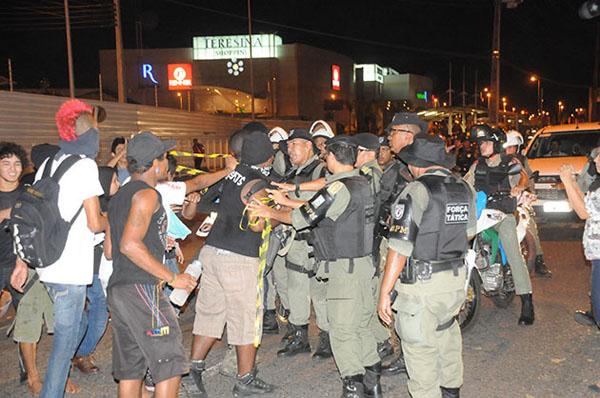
(366, 170)
(335, 187)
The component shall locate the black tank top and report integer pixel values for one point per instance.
(226, 233)
(124, 270)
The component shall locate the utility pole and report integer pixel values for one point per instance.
(119, 52)
(450, 91)
(476, 89)
(69, 50)
(463, 93)
(10, 76)
(251, 60)
(495, 70)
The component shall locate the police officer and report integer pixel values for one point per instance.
(512, 147)
(302, 286)
(432, 219)
(342, 219)
(490, 175)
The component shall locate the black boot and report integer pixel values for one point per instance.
(585, 318)
(371, 381)
(196, 371)
(270, 325)
(385, 349)
(250, 385)
(527, 316)
(289, 332)
(540, 267)
(298, 343)
(353, 387)
(395, 367)
(324, 348)
(450, 392)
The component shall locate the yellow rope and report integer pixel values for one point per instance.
(189, 170)
(199, 155)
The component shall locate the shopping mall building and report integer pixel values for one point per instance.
(290, 80)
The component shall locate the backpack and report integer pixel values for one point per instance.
(39, 231)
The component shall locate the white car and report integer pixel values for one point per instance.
(550, 148)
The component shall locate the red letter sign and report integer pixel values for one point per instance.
(180, 76)
(335, 77)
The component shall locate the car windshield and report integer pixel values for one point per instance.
(564, 143)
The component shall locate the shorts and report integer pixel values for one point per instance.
(34, 307)
(227, 296)
(134, 350)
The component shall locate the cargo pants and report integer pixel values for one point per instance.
(350, 309)
(433, 357)
(379, 330)
(507, 231)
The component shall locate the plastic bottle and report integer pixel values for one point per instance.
(179, 296)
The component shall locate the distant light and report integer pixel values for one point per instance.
(332, 96)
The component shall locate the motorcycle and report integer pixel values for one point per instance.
(488, 272)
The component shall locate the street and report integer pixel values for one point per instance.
(556, 357)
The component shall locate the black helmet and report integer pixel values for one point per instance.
(484, 132)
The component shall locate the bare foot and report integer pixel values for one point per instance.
(71, 387)
(35, 385)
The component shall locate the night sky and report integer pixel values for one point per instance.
(545, 37)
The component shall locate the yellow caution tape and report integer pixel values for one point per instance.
(199, 155)
(189, 170)
(260, 289)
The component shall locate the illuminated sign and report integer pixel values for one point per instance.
(374, 72)
(180, 76)
(148, 73)
(235, 66)
(335, 77)
(423, 96)
(227, 47)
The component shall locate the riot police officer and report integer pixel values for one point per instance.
(432, 219)
(490, 174)
(302, 286)
(341, 215)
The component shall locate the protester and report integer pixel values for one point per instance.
(67, 278)
(118, 149)
(146, 333)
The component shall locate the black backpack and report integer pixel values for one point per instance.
(39, 231)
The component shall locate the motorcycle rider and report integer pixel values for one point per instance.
(489, 174)
(514, 140)
(433, 218)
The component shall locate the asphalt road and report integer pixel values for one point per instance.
(555, 357)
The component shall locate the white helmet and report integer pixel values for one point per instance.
(320, 128)
(513, 138)
(277, 134)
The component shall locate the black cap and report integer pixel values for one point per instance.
(256, 149)
(145, 147)
(256, 126)
(383, 141)
(427, 150)
(408, 118)
(367, 140)
(41, 152)
(341, 139)
(300, 133)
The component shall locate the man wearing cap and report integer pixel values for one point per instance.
(433, 218)
(230, 256)
(342, 221)
(146, 333)
(302, 285)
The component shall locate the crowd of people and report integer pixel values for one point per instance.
(371, 231)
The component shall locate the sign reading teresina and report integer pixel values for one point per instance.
(226, 47)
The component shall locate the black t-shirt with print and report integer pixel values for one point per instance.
(7, 255)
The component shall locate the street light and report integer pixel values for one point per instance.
(533, 79)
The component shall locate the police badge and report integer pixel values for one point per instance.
(398, 211)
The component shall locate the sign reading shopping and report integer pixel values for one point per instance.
(238, 46)
(180, 76)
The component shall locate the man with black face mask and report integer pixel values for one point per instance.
(67, 278)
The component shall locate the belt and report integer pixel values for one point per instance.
(301, 236)
(424, 268)
(299, 268)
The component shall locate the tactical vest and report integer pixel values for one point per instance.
(351, 235)
(399, 177)
(442, 234)
(226, 233)
(494, 181)
(310, 172)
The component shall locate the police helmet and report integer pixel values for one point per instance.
(513, 138)
(485, 132)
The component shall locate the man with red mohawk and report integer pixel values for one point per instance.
(67, 278)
